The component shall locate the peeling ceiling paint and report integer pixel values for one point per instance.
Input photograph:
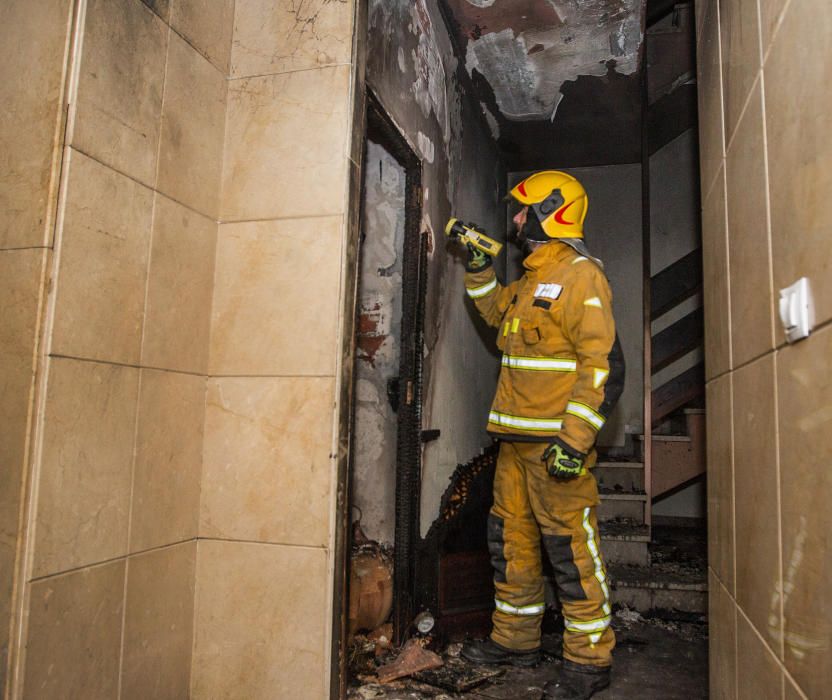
(527, 49)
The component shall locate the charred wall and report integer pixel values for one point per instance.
(417, 78)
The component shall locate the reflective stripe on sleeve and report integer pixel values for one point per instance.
(595, 419)
(508, 421)
(594, 301)
(535, 609)
(543, 364)
(477, 292)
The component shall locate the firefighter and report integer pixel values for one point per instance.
(562, 372)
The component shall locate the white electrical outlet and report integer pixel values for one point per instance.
(797, 310)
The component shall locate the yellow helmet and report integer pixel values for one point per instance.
(558, 200)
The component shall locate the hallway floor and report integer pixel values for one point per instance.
(654, 660)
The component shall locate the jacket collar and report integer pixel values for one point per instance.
(552, 252)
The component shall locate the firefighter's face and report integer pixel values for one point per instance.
(520, 219)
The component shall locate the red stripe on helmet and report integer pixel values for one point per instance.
(521, 188)
(560, 212)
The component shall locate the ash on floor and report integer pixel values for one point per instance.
(662, 658)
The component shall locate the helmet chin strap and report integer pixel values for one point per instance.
(533, 230)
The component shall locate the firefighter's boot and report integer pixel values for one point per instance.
(577, 682)
(487, 651)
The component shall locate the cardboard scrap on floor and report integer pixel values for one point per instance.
(412, 658)
(458, 676)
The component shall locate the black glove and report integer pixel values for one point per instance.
(563, 461)
(477, 260)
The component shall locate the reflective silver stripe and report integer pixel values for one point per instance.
(580, 258)
(535, 609)
(595, 419)
(598, 625)
(543, 364)
(600, 574)
(478, 292)
(525, 423)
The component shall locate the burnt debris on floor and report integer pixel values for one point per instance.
(660, 657)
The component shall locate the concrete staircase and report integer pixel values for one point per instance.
(636, 580)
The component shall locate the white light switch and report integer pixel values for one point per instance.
(797, 310)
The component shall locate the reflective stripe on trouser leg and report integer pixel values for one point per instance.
(519, 603)
(566, 512)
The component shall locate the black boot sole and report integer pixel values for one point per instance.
(525, 661)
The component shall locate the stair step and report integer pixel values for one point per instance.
(615, 506)
(647, 588)
(625, 542)
(627, 476)
(608, 495)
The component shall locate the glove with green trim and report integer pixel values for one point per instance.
(477, 260)
(562, 461)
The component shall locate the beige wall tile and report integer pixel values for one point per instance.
(160, 7)
(805, 394)
(752, 321)
(31, 78)
(720, 480)
(722, 641)
(119, 101)
(168, 459)
(74, 635)
(261, 620)
(103, 264)
(700, 9)
(208, 25)
(756, 506)
(740, 28)
(180, 283)
(159, 624)
(274, 37)
(276, 297)
(770, 13)
(759, 675)
(792, 691)
(267, 472)
(800, 151)
(20, 281)
(715, 288)
(709, 79)
(286, 150)
(193, 122)
(85, 474)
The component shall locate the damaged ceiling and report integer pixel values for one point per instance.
(558, 80)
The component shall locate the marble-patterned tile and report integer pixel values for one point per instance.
(103, 264)
(716, 290)
(159, 624)
(20, 287)
(119, 102)
(179, 289)
(286, 145)
(74, 635)
(752, 321)
(168, 459)
(193, 123)
(759, 675)
(804, 388)
(85, 474)
(720, 480)
(756, 503)
(700, 9)
(711, 117)
(208, 25)
(771, 11)
(267, 472)
(740, 29)
(276, 297)
(261, 619)
(792, 691)
(800, 150)
(722, 641)
(160, 7)
(31, 79)
(278, 36)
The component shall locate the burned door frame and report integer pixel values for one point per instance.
(381, 129)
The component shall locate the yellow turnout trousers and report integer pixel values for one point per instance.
(530, 508)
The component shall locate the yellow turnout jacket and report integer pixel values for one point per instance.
(562, 368)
